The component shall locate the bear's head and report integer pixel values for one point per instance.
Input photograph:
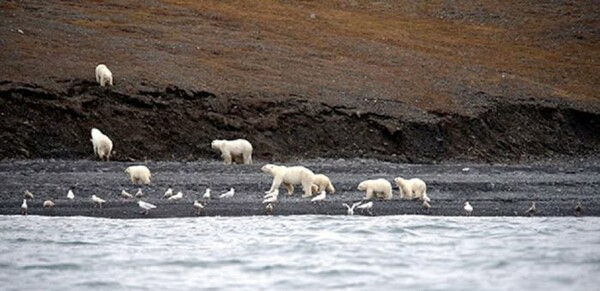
(267, 169)
(216, 144)
(362, 186)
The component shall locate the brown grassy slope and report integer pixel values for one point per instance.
(417, 56)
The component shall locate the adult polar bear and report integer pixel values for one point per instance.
(412, 189)
(378, 187)
(103, 75)
(231, 149)
(290, 176)
(102, 144)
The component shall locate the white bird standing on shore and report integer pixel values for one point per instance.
(228, 194)
(468, 208)
(24, 207)
(146, 206)
(177, 196)
(269, 209)
(198, 206)
(70, 194)
(367, 206)
(139, 193)
(206, 194)
(27, 195)
(351, 208)
(168, 193)
(98, 200)
(319, 197)
(531, 211)
(48, 204)
(126, 194)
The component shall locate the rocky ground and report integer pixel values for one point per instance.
(493, 190)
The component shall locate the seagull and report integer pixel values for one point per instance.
(126, 194)
(367, 206)
(48, 204)
(24, 207)
(578, 209)
(228, 194)
(351, 208)
(426, 205)
(531, 211)
(468, 208)
(272, 194)
(98, 200)
(177, 196)
(269, 209)
(27, 195)
(206, 194)
(70, 194)
(319, 197)
(146, 206)
(198, 207)
(139, 193)
(168, 193)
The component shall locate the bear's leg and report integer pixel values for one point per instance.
(102, 81)
(289, 187)
(387, 194)
(306, 186)
(276, 183)
(247, 158)
(227, 158)
(110, 81)
(369, 194)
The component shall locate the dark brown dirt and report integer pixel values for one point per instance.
(400, 81)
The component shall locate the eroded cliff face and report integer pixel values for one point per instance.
(392, 80)
(175, 124)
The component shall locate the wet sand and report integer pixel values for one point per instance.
(493, 190)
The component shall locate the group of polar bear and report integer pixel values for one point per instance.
(240, 151)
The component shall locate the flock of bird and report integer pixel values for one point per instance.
(269, 199)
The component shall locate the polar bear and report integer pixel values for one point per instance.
(231, 149)
(323, 184)
(380, 187)
(138, 174)
(102, 144)
(412, 189)
(290, 176)
(103, 75)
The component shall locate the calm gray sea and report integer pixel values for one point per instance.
(300, 252)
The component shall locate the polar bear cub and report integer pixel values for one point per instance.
(102, 144)
(378, 187)
(103, 75)
(231, 149)
(412, 189)
(138, 174)
(290, 176)
(323, 184)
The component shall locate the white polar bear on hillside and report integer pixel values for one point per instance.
(138, 174)
(323, 184)
(290, 176)
(102, 144)
(103, 75)
(232, 149)
(380, 187)
(412, 189)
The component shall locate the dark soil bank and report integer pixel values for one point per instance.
(493, 190)
(406, 82)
